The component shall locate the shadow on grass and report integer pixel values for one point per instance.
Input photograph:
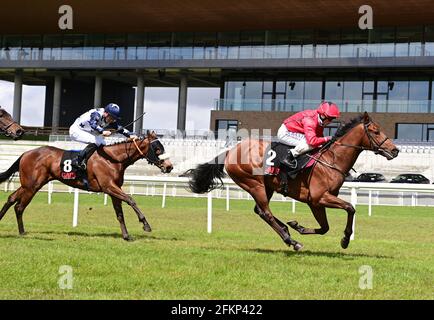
(113, 235)
(24, 237)
(344, 255)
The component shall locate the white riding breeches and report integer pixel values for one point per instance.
(298, 140)
(77, 134)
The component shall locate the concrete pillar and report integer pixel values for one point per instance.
(56, 103)
(182, 103)
(140, 101)
(18, 93)
(98, 92)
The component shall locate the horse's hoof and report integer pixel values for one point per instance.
(298, 246)
(128, 238)
(345, 242)
(293, 224)
(147, 228)
(23, 233)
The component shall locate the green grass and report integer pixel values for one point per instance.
(242, 259)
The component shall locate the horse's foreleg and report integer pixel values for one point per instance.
(117, 205)
(24, 199)
(320, 215)
(117, 192)
(330, 201)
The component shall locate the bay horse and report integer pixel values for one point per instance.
(105, 173)
(318, 186)
(8, 126)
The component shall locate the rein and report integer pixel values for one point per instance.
(374, 146)
(137, 147)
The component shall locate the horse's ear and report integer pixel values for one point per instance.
(366, 117)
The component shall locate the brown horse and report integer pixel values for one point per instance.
(317, 186)
(8, 126)
(105, 172)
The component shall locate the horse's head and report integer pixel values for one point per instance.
(376, 140)
(156, 154)
(8, 126)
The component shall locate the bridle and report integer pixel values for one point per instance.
(5, 130)
(151, 156)
(373, 146)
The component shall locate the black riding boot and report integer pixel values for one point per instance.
(290, 162)
(83, 156)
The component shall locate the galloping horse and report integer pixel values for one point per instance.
(317, 186)
(105, 171)
(8, 126)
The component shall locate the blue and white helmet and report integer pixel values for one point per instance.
(113, 110)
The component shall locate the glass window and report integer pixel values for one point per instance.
(352, 96)
(312, 94)
(294, 96)
(11, 41)
(73, 40)
(33, 41)
(115, 40)
(429, 41)
(159, 39)
(268, 86)
(409, 131)
(229, 38)
(334, 91)
(137, 40)
(277, 37)
(252, 38)
(253, 95)
(281, 86)
(418, 96)
(92, 40)
(183, 39)
(205, 39)
(234, 94)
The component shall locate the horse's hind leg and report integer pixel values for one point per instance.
(11, 200)
(263, 210)
(117, 205)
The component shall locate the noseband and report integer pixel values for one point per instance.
(5, 130)
(151, 156)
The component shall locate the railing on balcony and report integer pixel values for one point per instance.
(289, 105)
(361, 50)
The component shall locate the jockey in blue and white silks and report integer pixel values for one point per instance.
(91, 128)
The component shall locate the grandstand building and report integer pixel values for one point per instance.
(269, 58)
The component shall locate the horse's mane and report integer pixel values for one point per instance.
(348, 126)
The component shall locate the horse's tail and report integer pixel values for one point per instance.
(14, 168)
(207, 176)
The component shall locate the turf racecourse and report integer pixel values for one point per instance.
(242, 259)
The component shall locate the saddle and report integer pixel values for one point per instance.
(276, 153)
(71, 172)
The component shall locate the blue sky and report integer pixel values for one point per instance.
(160, 106)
